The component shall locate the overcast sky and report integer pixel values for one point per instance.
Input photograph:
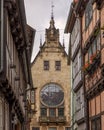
(38, 14)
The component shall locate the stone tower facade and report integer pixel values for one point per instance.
(51, 77)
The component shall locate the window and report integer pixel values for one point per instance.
(67, 128)
(58, 65)
(60, 111)
(96, 124)
(52, 112)
(78, 100)
(98, 42)
(94, 48)
(52, 95)
(88, 13)
(90, 53)
(43, 112)
(46, 65)
(35, 128)
(75, 32)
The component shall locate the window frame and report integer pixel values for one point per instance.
(96, 41)
(52, 90)
(35, 128)
(88, 14)
(94, 123)
(43, 113)
(60, 113)
(57, 65)
(67, 128)
(52, 128)
(52, 112)
(46, 65)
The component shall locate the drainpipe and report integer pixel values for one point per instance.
(1, 34)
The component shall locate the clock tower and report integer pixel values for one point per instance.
(51, 77)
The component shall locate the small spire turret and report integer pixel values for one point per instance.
(63, 42)
(40, 41)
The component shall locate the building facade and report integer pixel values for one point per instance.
(51, 77)
(15, 75)
(91, 13)
(73, 26)
(92, 39)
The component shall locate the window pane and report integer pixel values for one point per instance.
(52, 112)
(94, 46)
(46, 65)
(43, 112)
(89, 53)
(58, 65)
(93, 125)
(88, 13)
(98, 42)
(52, 95)
(98, 124)
(67, 128)
(35, 128)
(52, 128)
(60, 111)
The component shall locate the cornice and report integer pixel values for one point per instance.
(16, 23)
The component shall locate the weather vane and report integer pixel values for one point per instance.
(52, 6)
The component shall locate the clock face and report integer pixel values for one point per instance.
(52, 95)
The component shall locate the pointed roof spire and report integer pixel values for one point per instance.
(52, 16)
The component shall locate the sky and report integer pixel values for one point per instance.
(38, 15)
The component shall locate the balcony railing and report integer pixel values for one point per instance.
(57, 120)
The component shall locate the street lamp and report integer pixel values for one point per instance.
(31, 99)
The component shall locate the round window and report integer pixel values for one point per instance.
(52, 95)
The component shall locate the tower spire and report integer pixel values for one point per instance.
(52, 16)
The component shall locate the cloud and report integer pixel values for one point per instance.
(38, 14)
